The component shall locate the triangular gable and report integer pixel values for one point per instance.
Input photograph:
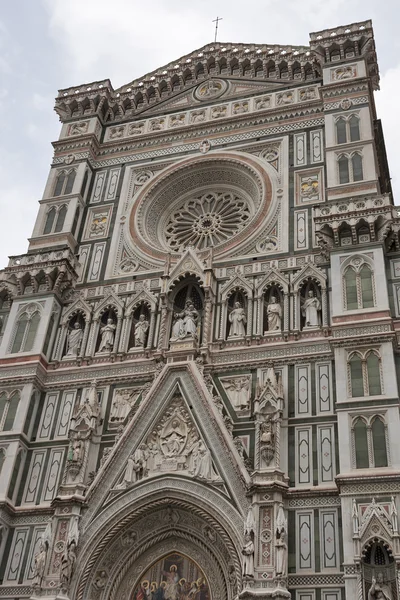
(310, 271)
(236, 282)
(272, 276)
(110, 301)
(188, 264)
(145, 296)
(80, 305)
(186, 381)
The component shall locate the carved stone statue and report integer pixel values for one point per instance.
(185, 325)
(379, 590)
(68, 561)
(202, 462)
(76, 452)
(248, 556)
(107, 336)
(274, 315)
(238, 390)
(238, 321)
(310, 310)
(40, 565)
(267, 439)
(141, 329)
(75, 340)
(280, 553)
(136, 466)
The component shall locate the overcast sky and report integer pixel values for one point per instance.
(46, 45)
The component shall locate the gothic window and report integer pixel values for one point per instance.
(84, 183)
(258, 69)
(369, 442)
(64, 183)
(235, 67)
(358, 284)
(25, 332)
(365, 374)
(361, 444)
(308, 73)
(284, 73)
(335, 55)
(76, 219)
(246, 69)
(55, 219)
(349, 52)
(357, 168)
(8, 410)
(344, 174)
(271, 70)
(60, 219)
(350, 168)
(348, 129)
(297, 73)
(48, 226)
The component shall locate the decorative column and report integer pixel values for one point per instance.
(85, 337)
(124, 338)
(163, 328)
(258, 329)
(62, 333)
(324, 308)
(152, 327)
(249, 317)
(117, 334)
(296, 311)
(93, 336)
(222, 324)
(286, 312)
(207, 320)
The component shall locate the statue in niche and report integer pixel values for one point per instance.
(280, 543)
(74, 341)
(185, 324)
(76, 451)
(248, 556)
(121, 405)
(141, 329)
(267, 438)
(238, 321)
(107, 336)
(39, 565)
(68, 561)
(274, 315)
(310, 310)
(379, 589)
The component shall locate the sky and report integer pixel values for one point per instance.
(46, 45)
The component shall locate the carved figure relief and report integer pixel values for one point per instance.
(122, 404)
(173, 445)
(238, 390)
(98, 225)
(309, 188)
(116, 132)
(307, 94)
(285, 98)
(280, 544)
(198, 116)
(248, 556)
(263, 103)
(344, 72)
(240, 107)
(267, 439)
(210, 89)
(205, 146)
(135, 128)
(379, 589)
(185, 323)
(141, 329)
(177, 120)
(218, 111)
(78, 128)
(156, 125)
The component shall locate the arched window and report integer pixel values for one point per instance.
(25, 332)
(357, 167)
(58, 190)
(76, 219)
(60, 219)
(356, 376)
(378, 431)
(361, 444)
(350, 279)
(8, 410)
(367, 292)
(341, 133)
(349, 52)
(48, 226)
(309, 74)
(344, 176)
(70, 182)
(335, 55)
(359, 287)
(354, 127)
(373, 375)
(11, 412)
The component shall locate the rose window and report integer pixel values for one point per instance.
(207, 220)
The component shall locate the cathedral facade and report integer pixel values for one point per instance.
(199, 350)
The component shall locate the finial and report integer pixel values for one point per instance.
(216, 27)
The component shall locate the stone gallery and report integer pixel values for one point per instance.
(199, 395)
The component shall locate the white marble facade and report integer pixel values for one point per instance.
(198, 352)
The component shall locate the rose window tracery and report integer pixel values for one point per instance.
(207, 220)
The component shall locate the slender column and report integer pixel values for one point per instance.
(152, 327)
(124, 338)
(85, 337)
(324, 309)
(207, 321)
(117, 334)
(249, 317)
(93, 336)
(60, 341)
(222, 323)
(259, 324)
(278, 443)
(296, 311)
(286, 312)
(163, 328)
